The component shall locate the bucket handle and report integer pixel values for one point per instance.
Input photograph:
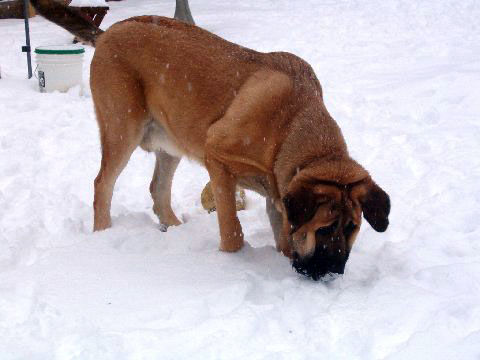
(35, 72)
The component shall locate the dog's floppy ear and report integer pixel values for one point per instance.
(375, 203)
(300, 207)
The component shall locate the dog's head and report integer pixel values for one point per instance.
(324, 218)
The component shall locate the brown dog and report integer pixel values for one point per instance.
(256, 119)
(251, 118)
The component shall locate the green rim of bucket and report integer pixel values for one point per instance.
(79, 50)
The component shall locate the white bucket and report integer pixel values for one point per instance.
(59, 67)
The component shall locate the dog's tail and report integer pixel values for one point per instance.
(71, 19)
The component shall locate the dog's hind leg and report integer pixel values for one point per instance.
(118, 143)
(161, 188)
(121, 116)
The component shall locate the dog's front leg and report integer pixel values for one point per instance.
(284, 243)
(280, 227)
(223, 187)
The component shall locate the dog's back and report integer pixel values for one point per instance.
(185, 74)
(178, 72)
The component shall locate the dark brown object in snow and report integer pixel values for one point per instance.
(208, 200)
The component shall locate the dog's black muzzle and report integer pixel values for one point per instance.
(320, 264)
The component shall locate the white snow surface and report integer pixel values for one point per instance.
(402, 79)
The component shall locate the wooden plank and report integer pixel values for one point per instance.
(14, 9)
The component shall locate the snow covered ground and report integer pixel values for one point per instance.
(402, 78)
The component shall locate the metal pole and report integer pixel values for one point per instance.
(182, 12)
(27, 48)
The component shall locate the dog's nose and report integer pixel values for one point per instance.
(320, 264)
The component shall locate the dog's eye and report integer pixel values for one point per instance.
(327, 230)
(349, 229)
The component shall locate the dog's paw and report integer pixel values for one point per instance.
(102, 224)
(231, 247)
(233, 243)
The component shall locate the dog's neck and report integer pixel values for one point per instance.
(309, 129)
